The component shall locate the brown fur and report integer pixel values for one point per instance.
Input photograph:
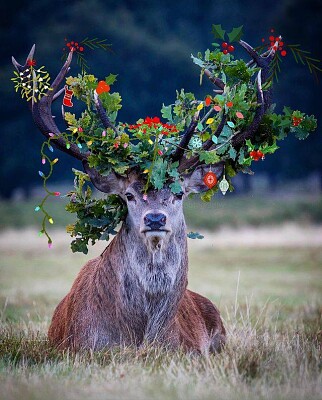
(105, 308)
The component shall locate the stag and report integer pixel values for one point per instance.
(136, 292)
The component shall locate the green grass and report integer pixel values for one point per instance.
(270, 299)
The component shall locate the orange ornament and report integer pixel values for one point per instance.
(210, 179)
(102, 87)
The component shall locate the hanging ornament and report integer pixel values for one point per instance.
(210, 179)
(224, 185)
(67, 100)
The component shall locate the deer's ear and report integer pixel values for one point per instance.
(193, 182)
(110, 184)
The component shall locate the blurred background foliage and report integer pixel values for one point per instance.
(152, 42)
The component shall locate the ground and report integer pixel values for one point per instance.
(266, 281)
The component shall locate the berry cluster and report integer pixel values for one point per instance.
(227, 48)
(74, 46)
(296, 121)
(156, 124)
(256, 155)
(276, 43)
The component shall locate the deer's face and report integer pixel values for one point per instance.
(157, 215)
(154, 216)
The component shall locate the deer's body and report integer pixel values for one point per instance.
(138, 297)
(136, 291)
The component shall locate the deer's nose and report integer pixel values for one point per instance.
(155, 221)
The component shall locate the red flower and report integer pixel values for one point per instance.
(156, 120)
(31, 62)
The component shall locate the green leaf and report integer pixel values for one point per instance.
(235, 34)
(198, 61)
(175, 187)
(194, 235)
(232, 153)
(110, 79)
(214, 139)
(218, 31)
(158, 175)
(209, 157)
(200, 126)
(166, 112)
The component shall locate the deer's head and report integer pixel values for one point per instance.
(158, 214)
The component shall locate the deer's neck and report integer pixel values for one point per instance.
(149, 285)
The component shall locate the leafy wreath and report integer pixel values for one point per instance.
(208, 130)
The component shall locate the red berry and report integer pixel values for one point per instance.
(72, 42)
(225, 51)
(208, 101)
(81, 48)
(76, 44)
(68, 44)
(281, 43)
(272, 30)
(260, 154)
(283, 53)
(231, 48)
(263, 40)
(277, 39)
(229, 104)
(271, 38)
(224, 45)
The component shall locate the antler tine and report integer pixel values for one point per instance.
(178, 154)
(59, 78)
(102, 113)
(248, 133)
(30, 56)
(41, 110)
(216, 81)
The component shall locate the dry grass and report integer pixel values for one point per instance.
(269, 295)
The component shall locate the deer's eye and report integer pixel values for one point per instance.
(129, 196)
(178, 196)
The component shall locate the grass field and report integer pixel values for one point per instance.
(266, 281)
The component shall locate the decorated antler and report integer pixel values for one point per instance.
(263, 100)
(41, 110)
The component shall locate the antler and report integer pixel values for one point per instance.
(263, 100)
(41, 110)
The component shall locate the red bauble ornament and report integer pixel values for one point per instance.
(210, 179)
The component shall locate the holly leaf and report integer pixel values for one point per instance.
(110, 79)
(218, 32)
(235, 34)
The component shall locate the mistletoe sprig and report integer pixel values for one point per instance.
(79, 48)
(33, 82)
